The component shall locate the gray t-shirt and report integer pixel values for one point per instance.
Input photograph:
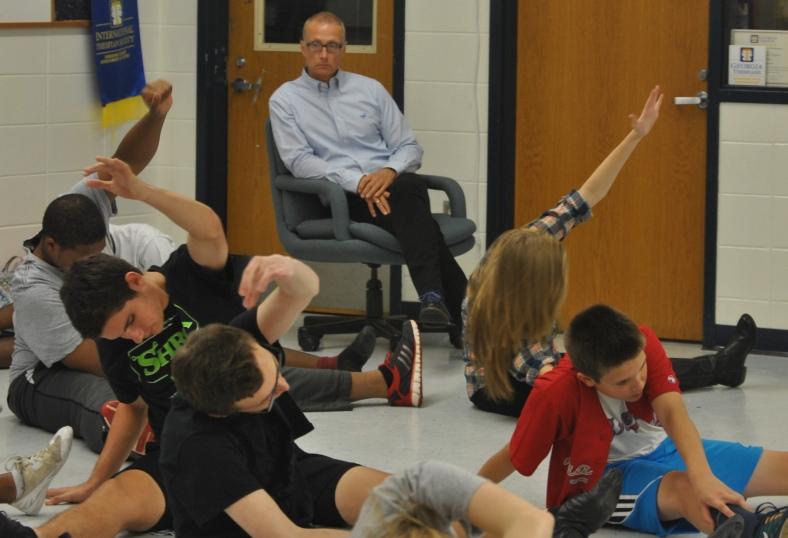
(43, 332)
(444, 488)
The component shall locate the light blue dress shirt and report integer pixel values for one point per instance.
(341, 130)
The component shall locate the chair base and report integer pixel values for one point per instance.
(314, 327)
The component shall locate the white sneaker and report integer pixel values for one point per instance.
(38, 470)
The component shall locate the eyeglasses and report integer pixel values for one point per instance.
(272, 396)
(332, 47)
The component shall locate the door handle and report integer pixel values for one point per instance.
(701, 100)
(242, 85)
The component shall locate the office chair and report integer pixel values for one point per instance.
(313, 224)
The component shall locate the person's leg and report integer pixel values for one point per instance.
(6, 351)
(63, 397)
(511, 407)
(672, 502)
(419, 235)
(7, 488)
(770, 476)
(726, 367)
(131, 501)
(352, 358)
(6, 317)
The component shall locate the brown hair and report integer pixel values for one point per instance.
(514, 295)
(325, 17)
(215, 368)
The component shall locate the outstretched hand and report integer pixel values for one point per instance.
(648, 117)
(69, 494)
(158, 96)
(712, 493)
(260, 272)
(120, 180)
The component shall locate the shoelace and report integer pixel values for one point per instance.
(773, 519)
(45, 455)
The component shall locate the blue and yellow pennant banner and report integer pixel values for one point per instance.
(121, 76)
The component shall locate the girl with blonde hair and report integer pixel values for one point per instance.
(515, 294)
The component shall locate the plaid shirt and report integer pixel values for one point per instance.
(570, 211)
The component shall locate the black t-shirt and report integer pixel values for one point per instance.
(198, 296)
(209, 463)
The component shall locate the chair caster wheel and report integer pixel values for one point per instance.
(308, 341)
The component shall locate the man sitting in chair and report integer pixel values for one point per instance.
(346, 128)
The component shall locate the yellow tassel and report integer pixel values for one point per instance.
(117, 112)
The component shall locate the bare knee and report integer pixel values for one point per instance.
(135, 497)
(669, 495)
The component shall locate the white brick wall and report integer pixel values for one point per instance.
(446, 66)
(50, 118)
(752, 240)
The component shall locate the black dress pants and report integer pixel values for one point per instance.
(432, 266)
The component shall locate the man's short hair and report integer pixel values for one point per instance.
(73, 220)
(324, 17)
(215, 368)
(600, 338)
(93, 290)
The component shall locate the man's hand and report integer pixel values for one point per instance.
(712, 493)
(382, 203)
(373, 185)
(291, 276)
(158, 97)
(120, 180)
(649, 114)
(70, 494)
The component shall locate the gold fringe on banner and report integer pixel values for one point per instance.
(117, 112)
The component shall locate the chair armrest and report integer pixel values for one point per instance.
(452, 190)
(330, 194)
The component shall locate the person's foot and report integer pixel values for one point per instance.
(772, 521)
(584, 514)
(433, 311)
(13, 529)
(360, 349)
(37, 471)
(108, 414)
(455, 337)
(730, 369)
(402, 369)
(730, 528)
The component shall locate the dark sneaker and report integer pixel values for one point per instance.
(584, 514)
(38, 470)
(108, 413)
(360, 349)
(13, 529)
(433, 311)
(730, 369)
(730, 528)
(772, 524)
(455, 337)
(403, 368)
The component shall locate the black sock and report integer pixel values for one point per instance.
(388, 377)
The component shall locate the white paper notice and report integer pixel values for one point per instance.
(776, 43)
(746, 65)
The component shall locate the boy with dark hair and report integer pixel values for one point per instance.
(616, 405)
(139, 337)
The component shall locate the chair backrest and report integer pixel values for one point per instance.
(290, 208)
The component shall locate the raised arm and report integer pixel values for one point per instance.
(206, 242)
(141, 142)
(296, 284)
(599, 182)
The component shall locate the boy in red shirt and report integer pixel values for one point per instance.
(617, 404)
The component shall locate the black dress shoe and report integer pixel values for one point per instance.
(730, 369)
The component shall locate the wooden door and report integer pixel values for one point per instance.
(250, 220)
(582, 67)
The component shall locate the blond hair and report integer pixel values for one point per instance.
(513, 296)
(411, 521)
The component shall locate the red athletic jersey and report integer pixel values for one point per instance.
(565, 415)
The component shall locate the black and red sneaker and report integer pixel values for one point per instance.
(108, 414)
(403, 368)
